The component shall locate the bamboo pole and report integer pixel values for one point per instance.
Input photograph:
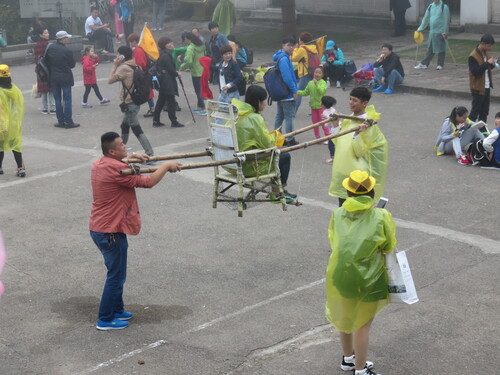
(127, 172)
(169, 157)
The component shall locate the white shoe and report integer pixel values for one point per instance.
(338, 84)
(439, 67)
(421, 66)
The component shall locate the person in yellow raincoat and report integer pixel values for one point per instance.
(11, 120)
(301, 57)
(366, 150)
(252, 133)
(356, 276)
(225, 16)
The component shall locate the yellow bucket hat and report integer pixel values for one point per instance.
(418, 37)
(359, 182)
(4, 71)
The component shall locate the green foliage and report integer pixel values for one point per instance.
(10, 21)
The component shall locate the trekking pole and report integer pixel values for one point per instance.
(451, 53)
(187, 101)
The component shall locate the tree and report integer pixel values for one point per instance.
(288, 17)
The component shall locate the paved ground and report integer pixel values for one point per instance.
(216, 294)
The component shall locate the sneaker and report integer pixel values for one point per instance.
(365, 371)
(325, 143)
(52, 112)
(71, 125)
(114, 324)
(276, 200)
(105, 51)
(149, 113)
(439, 67)
(348, 364)
(288, 194)
(421, 66)
(329, 161)
(338, 85)
(105, 100)
(201, 112)
(45, 112)
(463, 160)
(380, 89)
(125, 315)
(291, 142)
(158, 124)
(86, 105)
(21, 172)
(388, 92)
(177, 124)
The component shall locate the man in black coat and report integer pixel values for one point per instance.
(60, 62)
(399, 7)
(388, 70)
(167, 76)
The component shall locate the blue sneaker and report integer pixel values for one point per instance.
(114, 324)
(125, 315)
(380, 89)
(388, 92)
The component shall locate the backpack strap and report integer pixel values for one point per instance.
(128, 92)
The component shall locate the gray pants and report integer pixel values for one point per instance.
(48, 102)
(426, 61)
(457, 145)
(158, 13)
(130, 120)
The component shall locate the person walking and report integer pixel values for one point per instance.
(60, 61)
(167, 76)
(123, 71)
(114, 215)
(195, 50)
(11, 120)
(230, 77)
(43, 88)
(89, 62)
(357, 283)
(399, 7)
(437, 17)
(118, 22)
(159, 7)
(126, 11)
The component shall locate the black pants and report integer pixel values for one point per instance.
(87, 92)
(284, 164)
(17, 156)
(162, 100)
(128, 27)
(399, 22)
(480, 106)
(197, 90)
(334, 72)
(104, 36)
(331, 148)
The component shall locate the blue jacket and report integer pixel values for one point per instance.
(287, 72)
(125, 9)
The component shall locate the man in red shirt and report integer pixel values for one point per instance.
(115, 213)
(141, 59)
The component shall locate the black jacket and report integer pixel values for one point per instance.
(392, 62)
(167, 75)
(60, 62)
(232, 74)
(399, 5)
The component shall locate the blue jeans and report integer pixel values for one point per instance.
(113, 247)
(303, 81)
(197, 90)
(227, 97)
(64, 115)
(394, 77)
(286, 111)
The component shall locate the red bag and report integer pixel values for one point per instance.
(314, 61)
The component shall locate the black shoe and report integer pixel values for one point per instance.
(177, 125)
(60, 125)
(177, 108)
(292, 142)
(71, 125)
(158, 124)
(149, 113)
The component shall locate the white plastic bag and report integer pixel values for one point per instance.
(34, 92)
(401, 286)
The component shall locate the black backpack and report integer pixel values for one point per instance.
(141, 87)
(42, 69)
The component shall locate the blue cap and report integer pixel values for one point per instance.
(330, 44)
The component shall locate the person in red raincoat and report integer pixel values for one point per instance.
(206, 93)
(89, 63)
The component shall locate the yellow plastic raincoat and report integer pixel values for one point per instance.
(11, 119)
(368, 152)
(252, 133)
(225, 16)
(356, 276)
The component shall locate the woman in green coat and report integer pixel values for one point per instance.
(437, 17)
(195, 50)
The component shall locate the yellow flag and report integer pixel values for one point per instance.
(148, 44)
(320, 45)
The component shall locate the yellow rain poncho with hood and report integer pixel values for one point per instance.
(367, 152)
(225, 16)
(11, 119)
(356, 276)
(252, 133)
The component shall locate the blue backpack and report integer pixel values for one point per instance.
(275, 86)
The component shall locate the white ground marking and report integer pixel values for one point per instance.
(77, 84)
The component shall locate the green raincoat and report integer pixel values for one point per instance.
(252, 133)
(225, 16)
(356, 276)
(316, 91)
(176, 52)
(192, 59)
(367, 152)
(11, 119)
(437, 17)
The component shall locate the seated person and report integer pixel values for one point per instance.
(491, 143)
(333, 63)
(456, 133)
(388, 70)
(253, 133)
(97, 31)
(241, 55)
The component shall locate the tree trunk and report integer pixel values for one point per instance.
(288, 17)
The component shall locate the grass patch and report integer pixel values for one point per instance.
(459, 47)
(271, 39)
